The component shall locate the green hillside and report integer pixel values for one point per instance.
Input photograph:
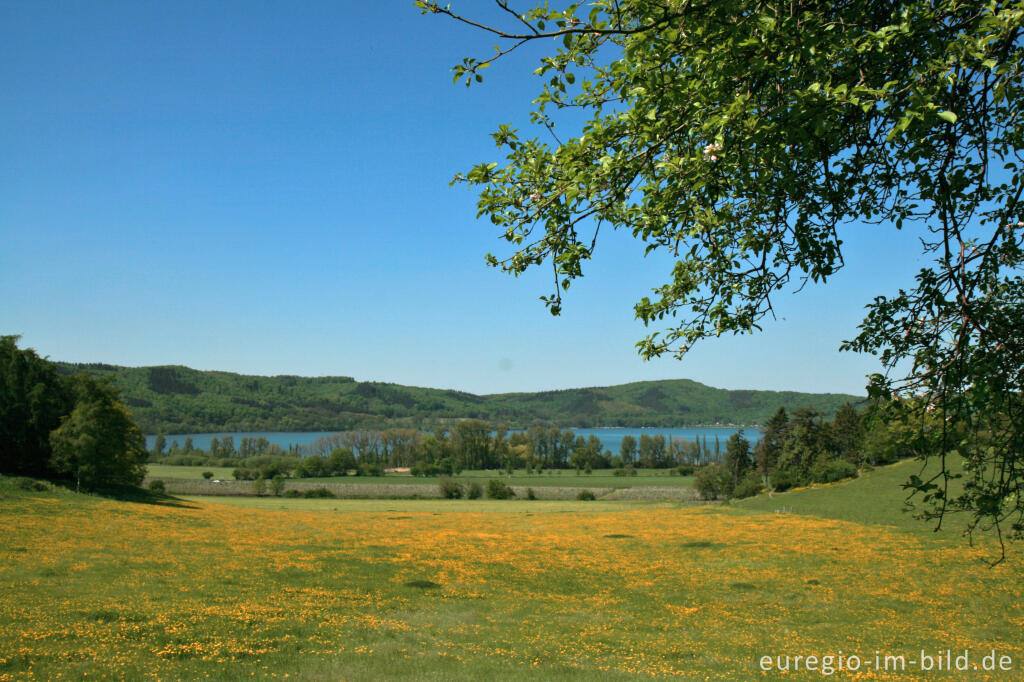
(174, 399)
(875, 498)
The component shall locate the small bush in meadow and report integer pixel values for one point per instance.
(749, 485)
(291, 493)
(783, 479)
(829, 472)
(585, 495)
(317, 492)
(157, 487)
(450, 488)
(530, 495)
(713, 481)
(30, 484)
(207, 475)
(475, 491)
(370, 469)
(497, 490)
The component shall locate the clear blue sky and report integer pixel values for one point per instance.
(263, 188)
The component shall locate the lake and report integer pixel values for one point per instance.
(611, 438)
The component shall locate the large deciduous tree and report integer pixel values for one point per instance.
(744, 137)
(98, 444)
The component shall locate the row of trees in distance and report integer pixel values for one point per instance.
(793, 451)
(802, 449)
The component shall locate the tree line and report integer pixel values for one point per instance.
(470, 444)
(479, 445)
(805, 448)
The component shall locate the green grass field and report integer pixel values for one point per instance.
(163, 471)
(525, 507)
(262, 588)
(876, 498)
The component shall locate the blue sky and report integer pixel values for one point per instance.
(264, 188)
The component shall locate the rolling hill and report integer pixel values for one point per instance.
(174, 399)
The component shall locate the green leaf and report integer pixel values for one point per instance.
(947, 116)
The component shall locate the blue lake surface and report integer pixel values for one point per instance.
(611, 438)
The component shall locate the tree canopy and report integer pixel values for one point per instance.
(98, 444)
(33, 398)
(71, 427)
(743, 138)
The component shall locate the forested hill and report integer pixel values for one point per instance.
(184, 400)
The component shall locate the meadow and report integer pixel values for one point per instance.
(434, 589)
(559, 484)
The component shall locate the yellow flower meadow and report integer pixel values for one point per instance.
(112, 590)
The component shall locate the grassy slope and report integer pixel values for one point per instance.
(876, 498)
(184, 400)
(327, 589)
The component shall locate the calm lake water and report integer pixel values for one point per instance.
(611, 438)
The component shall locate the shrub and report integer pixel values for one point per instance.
(29, 484)
(749, 485)
(157, 487)
(368, 469)
(713, 481)
(530, 495)
(316, 492)
(834, 470)
(585, 495)
(475, 491)
(244, 474)
(783, 479)
(450, 488)
(619, 472)
(496, 490)
(207, 475)
(685, 469)
(292, 493)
